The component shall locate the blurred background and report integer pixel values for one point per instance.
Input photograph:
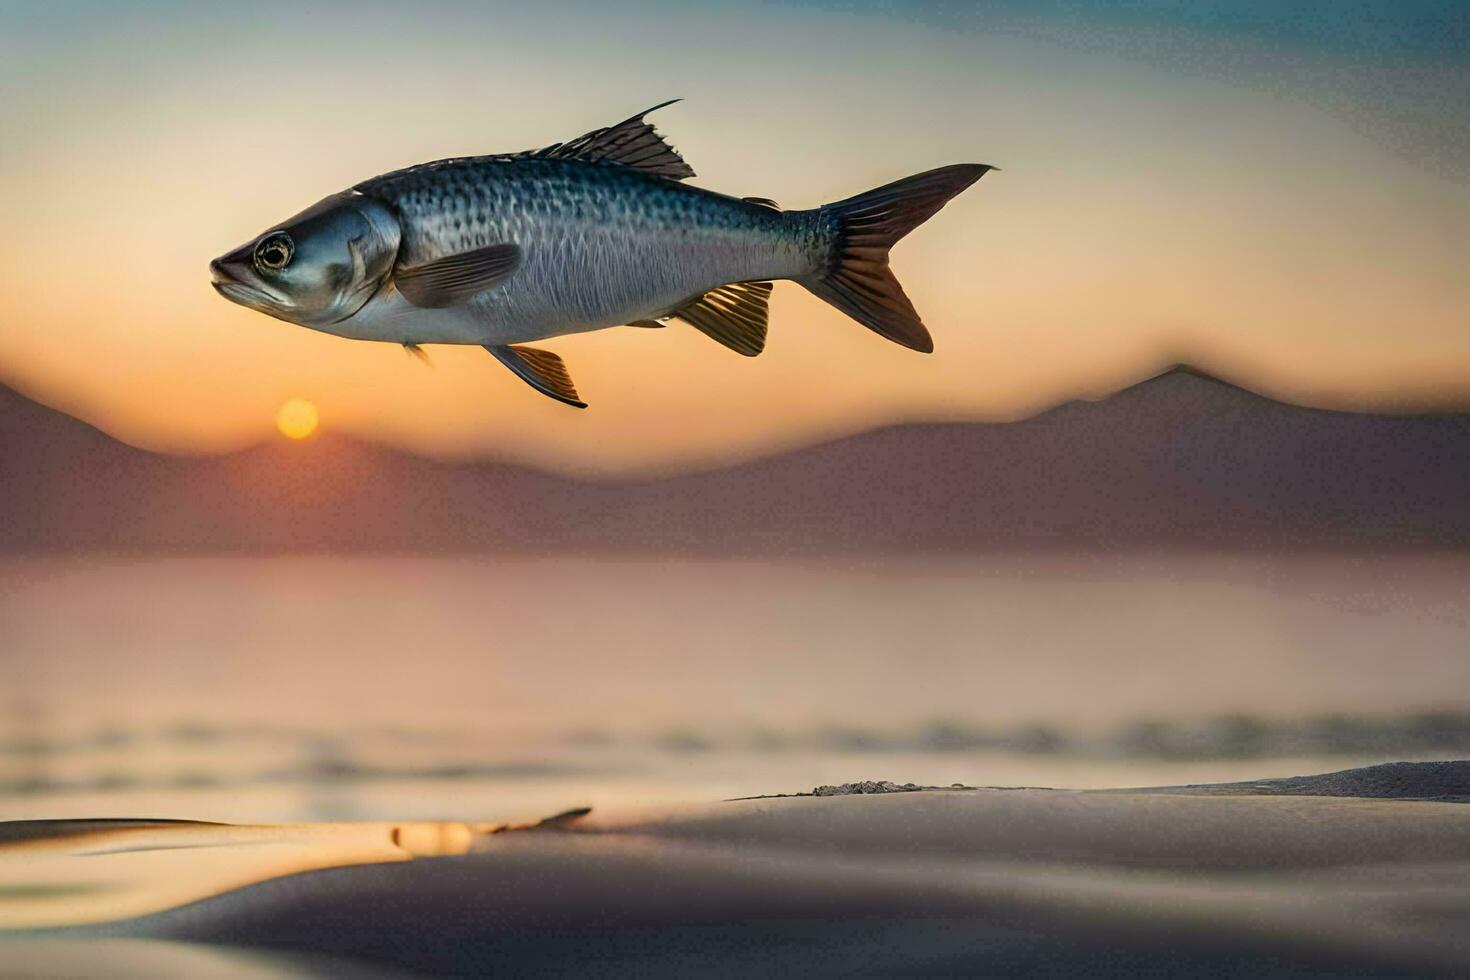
(248, 571)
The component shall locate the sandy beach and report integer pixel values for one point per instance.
(1364, 872)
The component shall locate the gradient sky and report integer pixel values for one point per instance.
(1280, 192)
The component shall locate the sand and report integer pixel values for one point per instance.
(1209, 880)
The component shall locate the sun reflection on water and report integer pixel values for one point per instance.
(137, 867)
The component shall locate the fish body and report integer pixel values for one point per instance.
(601, 246)
(597, 232)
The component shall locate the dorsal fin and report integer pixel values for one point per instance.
(764, 202)
(632, 143)
(735, 315)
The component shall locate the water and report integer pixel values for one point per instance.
(347, 688)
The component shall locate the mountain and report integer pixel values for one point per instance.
(1181, 460)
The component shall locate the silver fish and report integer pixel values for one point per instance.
(598, 232)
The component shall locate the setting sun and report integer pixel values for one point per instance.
(296, 419)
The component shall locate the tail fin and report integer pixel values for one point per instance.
(860, 283)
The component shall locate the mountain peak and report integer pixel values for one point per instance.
(1182, 459)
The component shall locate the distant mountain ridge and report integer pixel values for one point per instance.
(1182, 460)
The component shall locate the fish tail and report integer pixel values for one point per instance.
(858, 281)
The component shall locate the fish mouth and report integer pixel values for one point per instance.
(220, 273)
(234, 292)
(235, 289)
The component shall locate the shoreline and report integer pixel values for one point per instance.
(1203, 879)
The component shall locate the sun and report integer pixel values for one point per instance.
(297, 419)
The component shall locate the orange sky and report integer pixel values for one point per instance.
(1143, 213)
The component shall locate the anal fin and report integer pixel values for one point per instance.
(734, 315)
(541, 369)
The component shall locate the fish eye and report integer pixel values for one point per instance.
(274, 252)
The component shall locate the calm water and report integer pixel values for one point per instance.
(405, 688)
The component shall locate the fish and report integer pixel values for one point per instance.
(508, 249)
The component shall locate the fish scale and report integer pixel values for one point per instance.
(596, 232)
(602, 244)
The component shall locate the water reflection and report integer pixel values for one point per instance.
(56, 873)
(124, 959)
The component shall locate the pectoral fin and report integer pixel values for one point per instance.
(453, 279)
(541, 369)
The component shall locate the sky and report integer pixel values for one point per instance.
(1278, 193)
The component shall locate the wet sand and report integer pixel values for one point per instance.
(1373, 879)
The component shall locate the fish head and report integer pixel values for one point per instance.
(317, 268)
